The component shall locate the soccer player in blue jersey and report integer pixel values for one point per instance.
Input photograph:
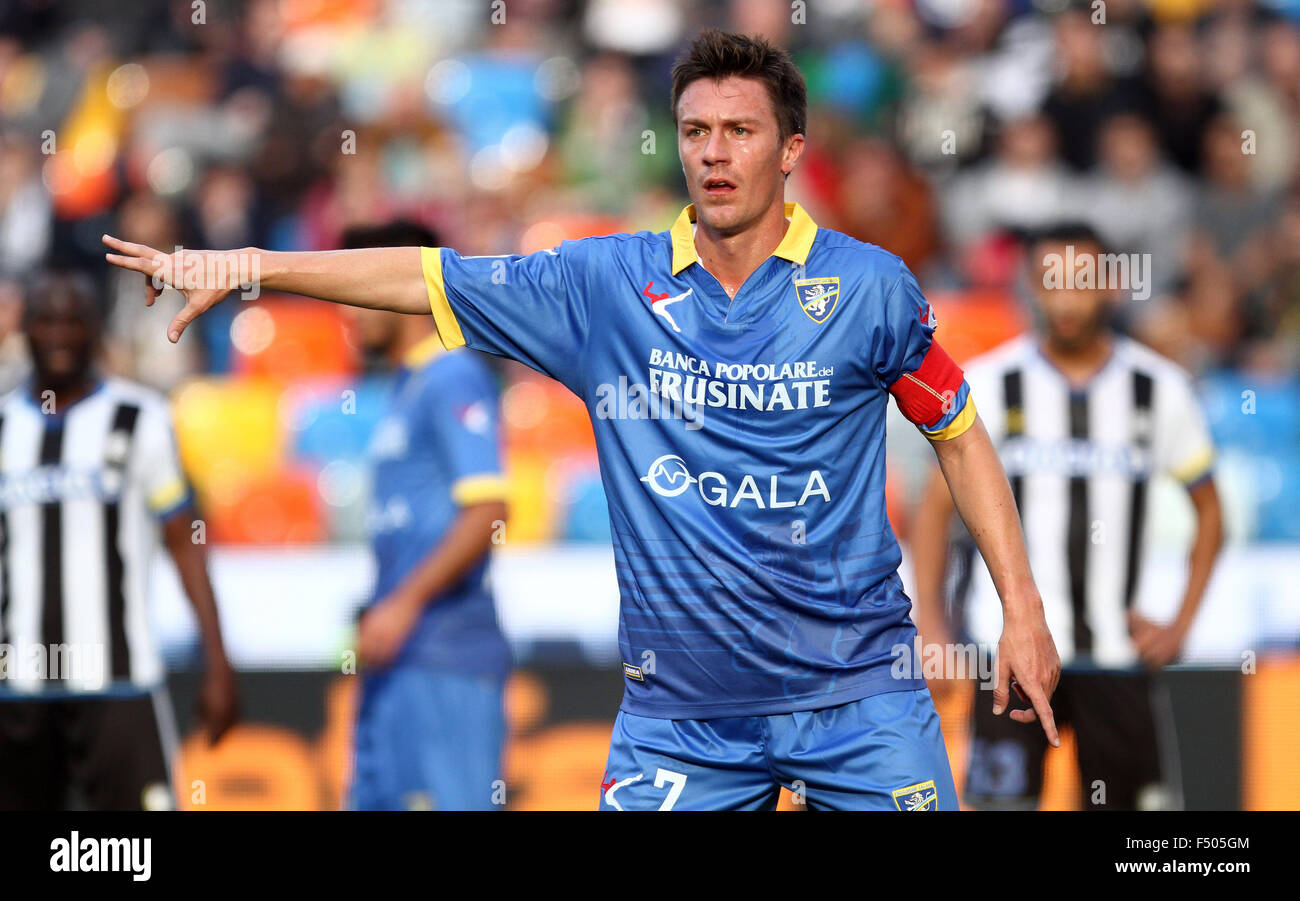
(737, 369)
(430, 724)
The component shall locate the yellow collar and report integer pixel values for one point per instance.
(422, 352)
(794, 246)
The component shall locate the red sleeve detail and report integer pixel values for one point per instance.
(923, 395)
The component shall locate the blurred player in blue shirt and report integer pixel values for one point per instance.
(430, 725)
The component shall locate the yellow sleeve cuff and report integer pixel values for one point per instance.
(1195, 467)
(478, 489)
(168, 495)
(965, 419)
(448, 328)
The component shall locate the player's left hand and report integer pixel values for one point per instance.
(384, 629)
(1028, 662)
(1157, 645)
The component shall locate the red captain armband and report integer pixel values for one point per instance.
(926, 395)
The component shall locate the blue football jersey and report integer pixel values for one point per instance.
(741, 444)
(436, 450)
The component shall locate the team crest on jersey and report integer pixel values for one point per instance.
(922, 796)
(818, 297)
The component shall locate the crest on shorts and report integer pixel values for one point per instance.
(922, 796)
(818, 296)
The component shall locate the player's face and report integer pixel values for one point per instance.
(1073, 317)
(732, 153)
(61, 335)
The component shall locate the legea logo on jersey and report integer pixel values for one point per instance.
(660, 301)
(818, 297)
(669, 476)
(475, 417)
(925, 313)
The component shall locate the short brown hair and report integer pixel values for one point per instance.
(719, 54)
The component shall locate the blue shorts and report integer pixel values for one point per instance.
(428, 740)
(884, 752)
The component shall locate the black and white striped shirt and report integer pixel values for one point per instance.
(1080, 460)
(81, 491)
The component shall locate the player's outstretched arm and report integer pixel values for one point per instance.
(1026, 652)
(383, 278)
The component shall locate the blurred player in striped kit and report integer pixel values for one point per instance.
(1084, 419)
(430, 727)
(89, 476)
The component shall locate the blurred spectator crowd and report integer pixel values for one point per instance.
(942, 130)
